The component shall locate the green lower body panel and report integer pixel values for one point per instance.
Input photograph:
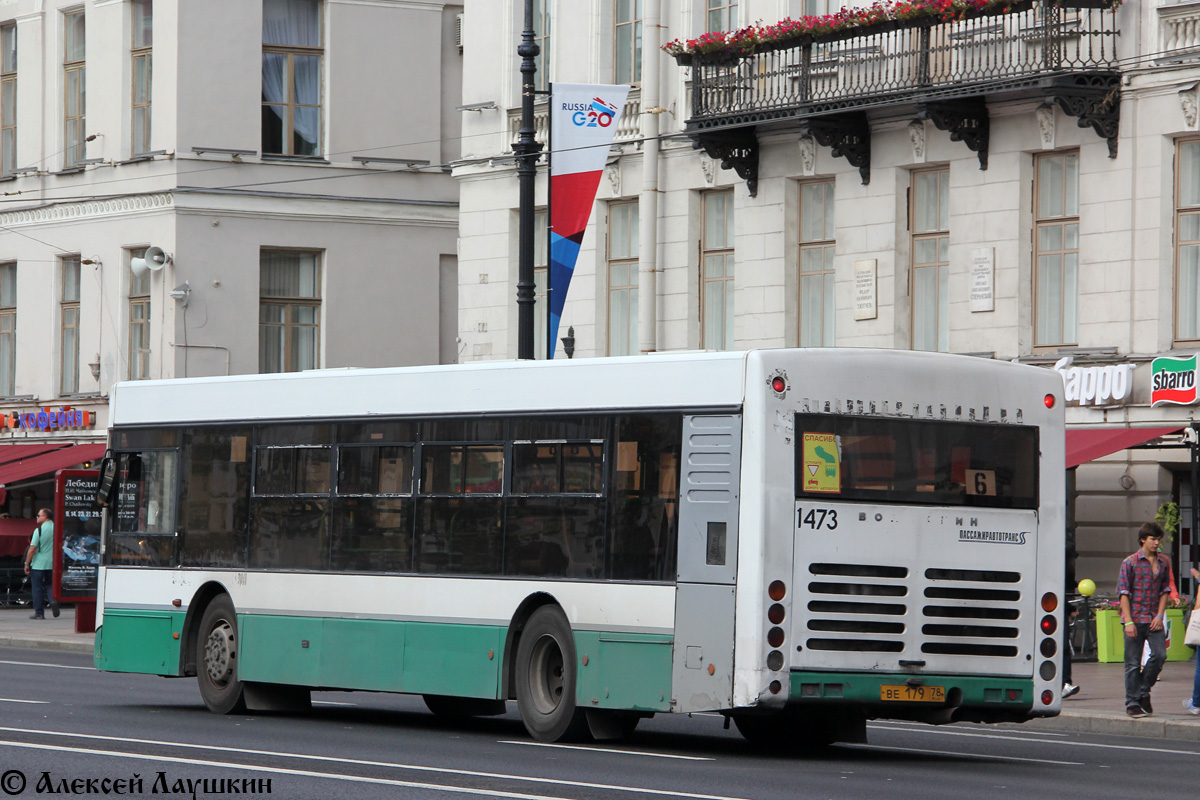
(890, 691)
(412, 657)
(616, 670)
(139, 641)
(626, 670)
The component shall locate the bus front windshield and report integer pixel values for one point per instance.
(142, 524)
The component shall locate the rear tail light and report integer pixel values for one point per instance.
(1049, 625)
(1047, 697)
(776, 590)
(1049, 602)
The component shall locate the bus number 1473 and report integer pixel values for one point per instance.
(816, 518)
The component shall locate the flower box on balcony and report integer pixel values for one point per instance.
(791, 33)
(1103, 4)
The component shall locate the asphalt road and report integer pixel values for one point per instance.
(62, 725)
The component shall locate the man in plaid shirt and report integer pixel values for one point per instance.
(1144, 588)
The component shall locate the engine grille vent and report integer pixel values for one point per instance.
(968, 620)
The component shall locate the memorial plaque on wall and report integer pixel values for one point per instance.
(76, 534)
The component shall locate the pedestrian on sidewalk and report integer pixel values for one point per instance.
(1069, 689)
(39, 564)
(1193, 706)
(1144, 588)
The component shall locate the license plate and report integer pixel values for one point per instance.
(912, 694)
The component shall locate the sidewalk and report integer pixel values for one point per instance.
(1098, 708)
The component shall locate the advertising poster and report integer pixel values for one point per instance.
(76, 534)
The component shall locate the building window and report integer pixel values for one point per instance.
(1187, 238)
(69, 324)
(291, 78)
(1056, 260)
(716, 266)
(541, 279)
(139, 321)
(289, 311)
(8, 99)
(930, 226)
(722, 15)
(8, 329)
(143, 41)
(628, 41)
(623, 279)
(819, 8)
(75, 86)
(817, 244)
(541, 37)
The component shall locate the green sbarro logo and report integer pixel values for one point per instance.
(1173, 380)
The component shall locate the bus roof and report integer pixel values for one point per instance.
(679, 380)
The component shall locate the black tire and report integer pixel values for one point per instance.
(546, 673)
(462, 707)
(216, 655)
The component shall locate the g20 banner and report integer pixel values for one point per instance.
(583, 123)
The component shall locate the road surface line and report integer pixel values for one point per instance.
(604, 750)
(14, 700)
(922, 751)
(1063, 742)
(299, 773)
(366, 763)
(55, 666)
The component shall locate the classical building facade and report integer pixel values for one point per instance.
(1019, 184)
(207, 187)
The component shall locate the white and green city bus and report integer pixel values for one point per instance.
(801, 540)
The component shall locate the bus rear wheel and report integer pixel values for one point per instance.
(217, 646)
(546, 674)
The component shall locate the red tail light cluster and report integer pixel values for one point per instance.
(776, 635)
(1049, 627)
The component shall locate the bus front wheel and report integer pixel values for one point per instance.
(217, 647)
(546, 673)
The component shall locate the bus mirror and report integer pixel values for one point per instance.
(107, 483)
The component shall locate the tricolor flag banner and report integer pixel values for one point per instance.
(1173, 380)
(583, 123)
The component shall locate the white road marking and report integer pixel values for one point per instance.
(331, 703)
(589, 749)
(55, 666)
(924, 726)
(923, 751)
(300, 773)
(356, 762)
(1064, 743)
(14, 700)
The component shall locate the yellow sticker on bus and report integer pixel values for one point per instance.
(822, 463)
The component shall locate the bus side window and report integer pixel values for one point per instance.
(645, 499)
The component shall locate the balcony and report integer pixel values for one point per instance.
(946, 71)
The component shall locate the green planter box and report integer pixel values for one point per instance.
(1110, 636)
(1178, 651)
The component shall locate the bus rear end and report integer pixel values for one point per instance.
(925, 542)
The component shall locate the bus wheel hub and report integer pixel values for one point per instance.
(218, 654)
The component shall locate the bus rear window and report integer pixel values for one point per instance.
(921, 462)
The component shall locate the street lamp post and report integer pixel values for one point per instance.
(527, 150)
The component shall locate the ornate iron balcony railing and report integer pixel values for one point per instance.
(1036, 44)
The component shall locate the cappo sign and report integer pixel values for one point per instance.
(1173, 380)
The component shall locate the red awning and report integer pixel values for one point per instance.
(1088, 443)
(50, 462)
(15, 452)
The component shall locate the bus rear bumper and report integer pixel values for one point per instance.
(936, 699)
